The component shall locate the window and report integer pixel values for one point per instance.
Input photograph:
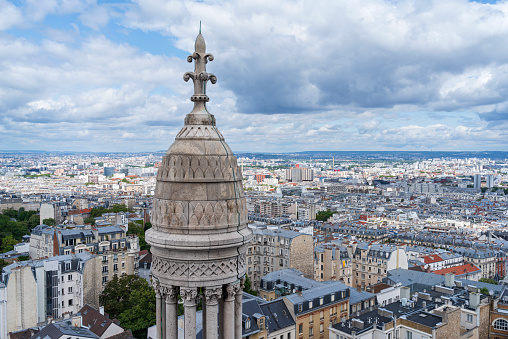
(70, 302)
(311, 332)
(333, 297)
(501, 324)
(289, 335)
(69, 277)
(67, 266)
(300, 329)
(63, 291)
(310, 304)
(409, 335)
(469, 318)
(70, 290)
(321, 301)
(300, 308)
(104, 280)
(247, 323)
(321, 328)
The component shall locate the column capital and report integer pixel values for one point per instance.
(157, 287)
(242, 283)
(171, 294)
(231, 290)
(189, 296)
(212, 295)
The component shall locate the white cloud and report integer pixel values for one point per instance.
(293, 75)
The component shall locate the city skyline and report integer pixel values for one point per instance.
(292, 76)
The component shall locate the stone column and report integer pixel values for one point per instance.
(189, 296)
(163, 313)
(172, 313)
(221, 317)
(229, 312)
(203, 313)
(238, 308)
(212, 296)
(158, 303)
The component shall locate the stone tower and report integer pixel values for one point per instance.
(199, 235)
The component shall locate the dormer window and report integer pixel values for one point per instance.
(310, 304)
(247, 323)
(321, 301)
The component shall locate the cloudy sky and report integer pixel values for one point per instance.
(90, 75)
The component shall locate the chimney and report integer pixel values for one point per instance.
(101, 310)
(450, 280)
(357, 323)
(405, 292)
(474, 300)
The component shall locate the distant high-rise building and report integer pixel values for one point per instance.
(299, 174)
(489, 181)
(477, 181)
(109, 171)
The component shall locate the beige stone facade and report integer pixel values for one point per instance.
(273, 250)
(332, 262)
(21, 295)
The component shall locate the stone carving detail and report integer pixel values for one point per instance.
(189, 296)
(210, 213)
(200, 132)
(212, 295)
(199, 270)
(230, 291)
(171, 294)
(204, 214)
(170, 212)
(200, 168)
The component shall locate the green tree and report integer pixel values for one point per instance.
(324, 215)
(23, 258)
(142, 314)
(3, 263)
(33, 221)
(484, 290)
(248, 285)
(8, 243)
(488, 281)
(131, 300)
(89, 220)
(49, 221)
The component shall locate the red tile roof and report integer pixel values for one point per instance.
(429, 259)
(458, 270)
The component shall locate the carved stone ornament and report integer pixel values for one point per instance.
(231, 290)
(212, 295)
(189, 296)
(202, 269)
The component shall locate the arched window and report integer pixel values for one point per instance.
(247, 323)
(501, 324)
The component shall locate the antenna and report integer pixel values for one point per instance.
(199, 26)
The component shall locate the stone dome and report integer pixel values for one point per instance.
(199, 217)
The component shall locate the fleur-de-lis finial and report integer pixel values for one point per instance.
(200, 77)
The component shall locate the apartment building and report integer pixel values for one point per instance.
(332, 262)
(371, 262)
(274, 249)
(486, 260)
(33, 291)
(316, 309)
(46, 241)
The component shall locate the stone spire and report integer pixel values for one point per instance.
(199, 228)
